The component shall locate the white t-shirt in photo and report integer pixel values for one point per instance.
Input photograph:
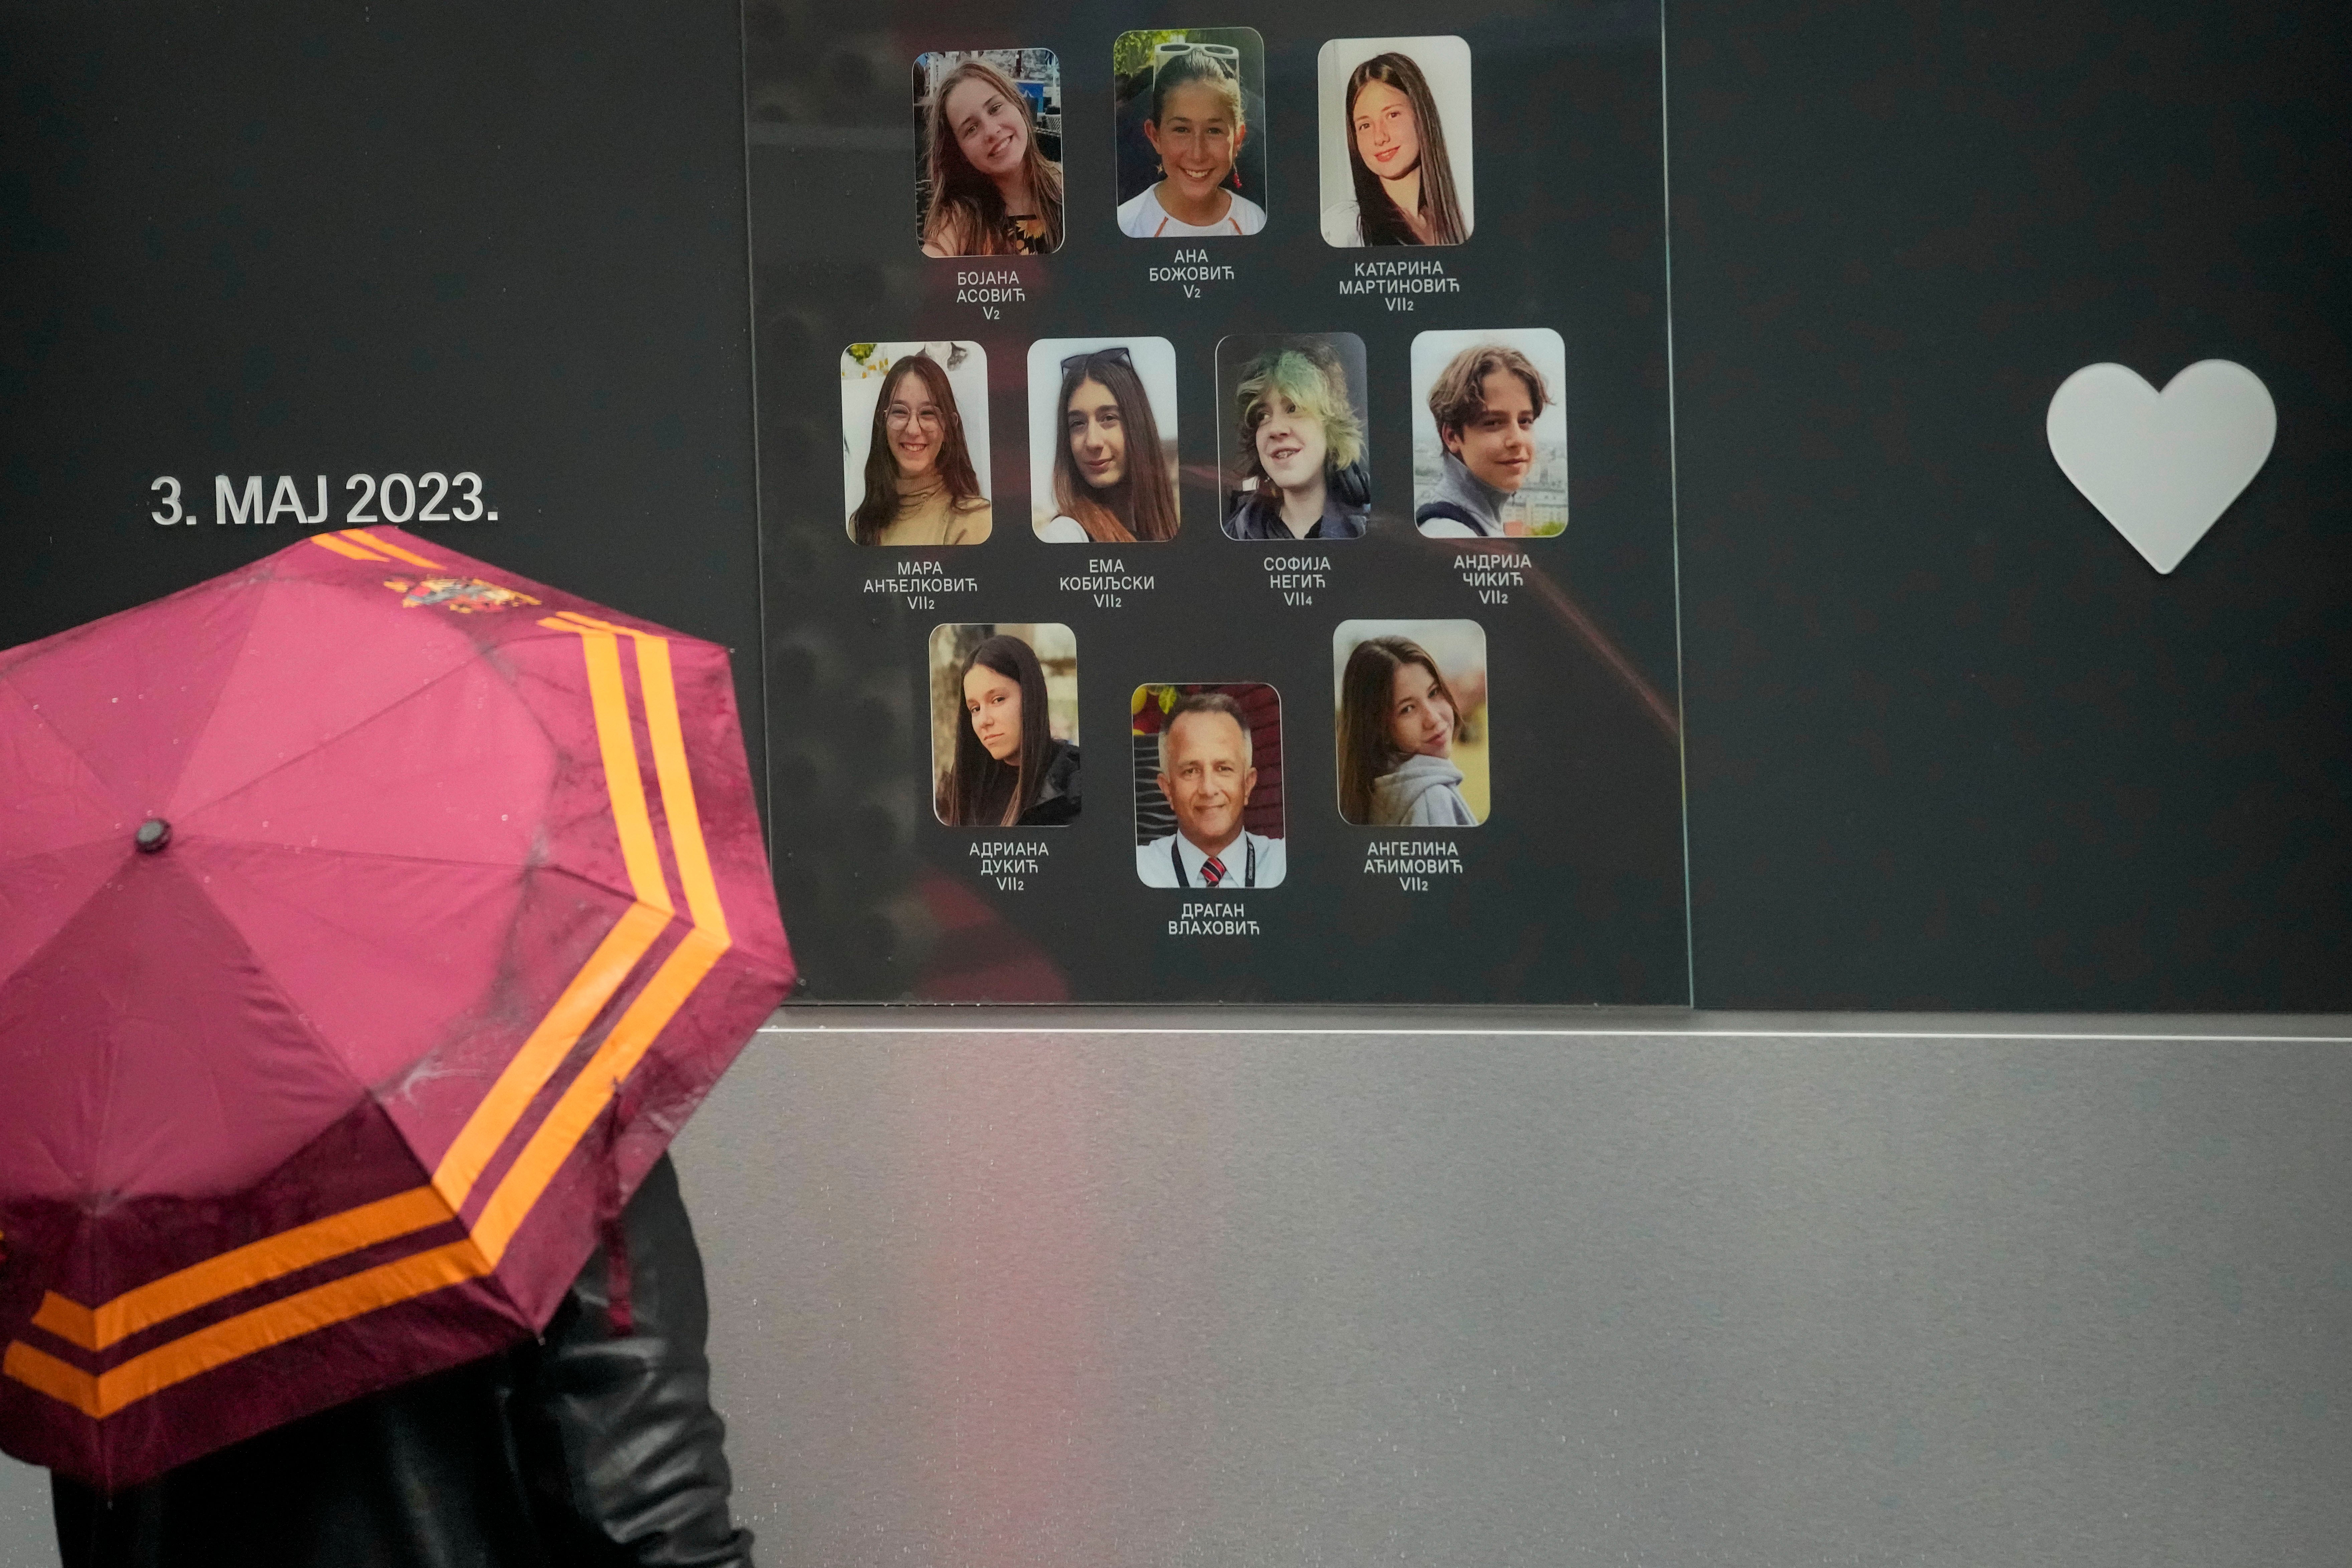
(1142, 217)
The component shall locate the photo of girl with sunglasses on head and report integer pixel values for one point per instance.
(988, 177)
(1395, 142)
(1296, 465)
(1102, 440)
(913, 463)
(1189, 105)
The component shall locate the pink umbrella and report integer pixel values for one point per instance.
(370, 921)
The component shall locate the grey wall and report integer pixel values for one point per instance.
(1691, 1292)
(1046, 1297)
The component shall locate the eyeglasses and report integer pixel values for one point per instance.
(1117, 354)
(1225, 55)
(898, 416)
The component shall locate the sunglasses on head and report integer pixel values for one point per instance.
(1225, 55)
(1117, 354)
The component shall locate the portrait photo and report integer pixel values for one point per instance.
(988, 152)
(1294, 449)
(1393, 141)
(1409, 701)
(1208, 785)
(1190, 113)
(1004, 725)
(1489, 435)
(914, 443)
(1102, 440)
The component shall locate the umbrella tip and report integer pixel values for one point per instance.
(152, 835)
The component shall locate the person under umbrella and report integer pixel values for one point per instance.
(593, 1445)
(373, 918)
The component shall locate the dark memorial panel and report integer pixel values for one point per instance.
(1247, 568)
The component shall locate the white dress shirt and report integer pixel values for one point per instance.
(1153, 864)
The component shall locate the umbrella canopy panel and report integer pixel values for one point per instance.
(369, 920)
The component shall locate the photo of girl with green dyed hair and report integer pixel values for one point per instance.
(1297, 465)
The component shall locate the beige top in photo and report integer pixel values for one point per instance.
(927, 518)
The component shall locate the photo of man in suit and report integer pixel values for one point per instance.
(1207, 773)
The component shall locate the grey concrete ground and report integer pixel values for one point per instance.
(1688, 1292)
(24, 1538)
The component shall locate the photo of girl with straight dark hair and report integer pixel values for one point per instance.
(1401, 173)
(1398, 720)
(920, 488)
(1113, 483)
(1008, 770)
(991, 189)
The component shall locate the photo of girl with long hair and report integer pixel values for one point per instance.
(914, 464)
(987, 176)
(1102, 440)
(1297, 465)
(1412, 703)
(1185, 127)
(1004, 725)
(1395, 152)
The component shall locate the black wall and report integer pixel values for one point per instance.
(1950, 742)
(346, 238)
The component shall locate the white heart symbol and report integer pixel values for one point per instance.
(2162, 467)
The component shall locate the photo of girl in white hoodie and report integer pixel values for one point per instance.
(1412, 741)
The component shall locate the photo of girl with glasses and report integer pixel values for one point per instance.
(1189, 101)
(1004, 725)
(907, 458)
(1389, 175)
(1297, 465)
(987, 184)
(1102, 423)
(1413, 744)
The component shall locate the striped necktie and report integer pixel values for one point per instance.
(1213, 871)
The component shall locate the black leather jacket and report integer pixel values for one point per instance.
(586, 1448)
(1057, 797)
